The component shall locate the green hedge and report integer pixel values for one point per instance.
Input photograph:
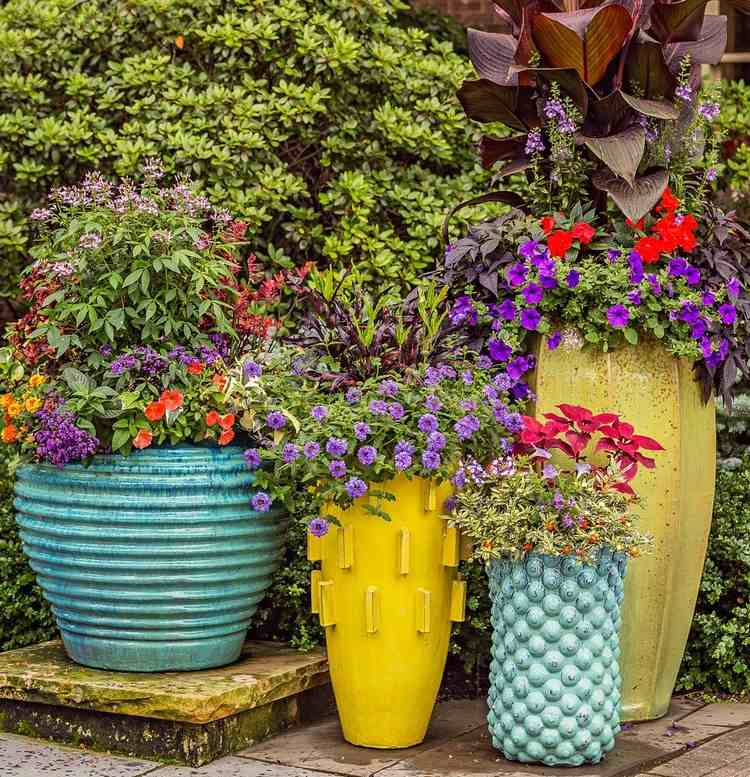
(733, 185)
(332, 128)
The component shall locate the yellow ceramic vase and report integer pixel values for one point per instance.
(386, 594)
(659, 396)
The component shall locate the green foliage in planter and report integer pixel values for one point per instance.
(25, 617)
(331, 128)
(718, 652)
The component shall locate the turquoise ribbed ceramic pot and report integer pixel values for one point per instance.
(554, 677)
(151, 562)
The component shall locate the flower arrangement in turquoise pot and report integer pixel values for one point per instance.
(556, 532)
(135, 503)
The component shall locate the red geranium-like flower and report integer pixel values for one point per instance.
(155, 411)
(559, 242)
(583, 232)
(226, 437)
(637, 225)
(212, 418)
(650, 249)
(143, 439)
(171, 399)
(196, 368)
(669, 203)
(547, 224)
(226, 422)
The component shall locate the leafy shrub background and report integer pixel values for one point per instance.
(331, 127)
(733, 185)
(718, 652)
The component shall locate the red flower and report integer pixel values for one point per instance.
(548, 224)
(559, 242)
(172, 400)
(219, 381)
(669, 203)
(212, 418)
(143, 439)
(196, 368)
(637, 225)
(650, 249)
(583, 232)
(155, 411)
(226, 437)
(226, 421)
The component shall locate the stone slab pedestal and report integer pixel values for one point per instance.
(176, 717)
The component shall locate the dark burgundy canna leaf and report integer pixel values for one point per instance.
(637, 200)
(512, 167)
(677, 21)
(492, 54)
(510, 198)
(498, 149)
(622, 152)
(566, 77)
(646, 69)
(708, 49)
(587, 41)
(485, 101)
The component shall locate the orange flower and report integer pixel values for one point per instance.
(212, 418)
(172, 400)
(566, 550)
(155, 411)
(37, 380)
(226, 437)
(226, 421)
(9, 434)
(487, 545)
(32, 404)
(14, 408)
(6, 400)
(143, 439)
(550, 526)
(593, 538)
(528, 547)
(219, 381)
(634, 552)
(196, 368)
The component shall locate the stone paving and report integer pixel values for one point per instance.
(693, 740)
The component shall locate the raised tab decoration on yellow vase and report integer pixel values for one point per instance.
(387, 610)
(659, 395)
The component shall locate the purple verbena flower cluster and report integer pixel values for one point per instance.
(59, 441)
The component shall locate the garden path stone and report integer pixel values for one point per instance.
(724, 752)
(230, 766)
(321, 747)
(726, 715)
(24, 757)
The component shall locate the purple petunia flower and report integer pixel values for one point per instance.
(335, 446)
(319, 412)
(427, 423)
(355, 487)
(708, 299)
(361, 430)
(549, 471)
(449, 505)
(499, 351)
(518, 367)
(337, 468)
(533, 293)
(554, 340)
(436, 441)
(677, 266)
(728, 313)
(613, 255)
(252, 458)
(388, 388)
(530, 319)
(528, 249)
(462, 312)
(353, 395)
(261, 502)
(517, 274)
(634, 297)
(290, 453)
(367, 455)
(276, 420)
(433, 403)
(618, 316)
(635, 262)
(311, 450)
(396, 411)
(654, 283)
(692, 275)
(402, 460)
(431, 460)
(698, 329)
(318, 527)
(689, 312)
(507, 310)
(734, 287)
(251, 370)
(467, 426)
(573, 279)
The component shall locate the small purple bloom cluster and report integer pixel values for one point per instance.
(59, 441)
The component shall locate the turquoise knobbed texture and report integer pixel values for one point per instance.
(151, 562)
(555, 682)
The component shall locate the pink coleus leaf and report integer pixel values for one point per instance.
(649, 443)
(575, 412)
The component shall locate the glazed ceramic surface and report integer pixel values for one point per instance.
(554, 677)
(151, 562)
(386, 594)
(659, 396)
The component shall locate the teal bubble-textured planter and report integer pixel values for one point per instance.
(554, 693)
(151, 562)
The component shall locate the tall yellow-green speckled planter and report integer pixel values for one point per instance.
(659, 396)
(386, 594)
